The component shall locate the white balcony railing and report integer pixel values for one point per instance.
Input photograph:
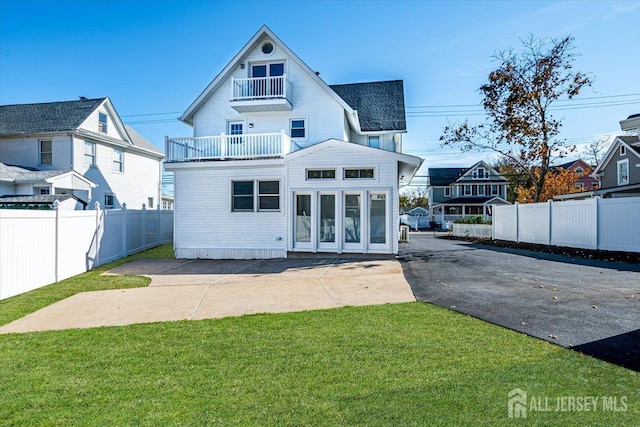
(227, 147)
(260, 88)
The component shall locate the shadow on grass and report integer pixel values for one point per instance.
(623, 349)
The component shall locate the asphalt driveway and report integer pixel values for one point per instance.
(591, 306)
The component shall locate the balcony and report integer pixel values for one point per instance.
(228, 147)
(261, 94)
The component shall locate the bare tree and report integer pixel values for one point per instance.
(595, 150)
(517, 100)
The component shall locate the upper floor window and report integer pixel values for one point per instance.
(467, 190)
(358, 173)
(623, 150)
(41, 190)
(118, 160)
(623, 172)
(46, 152)
(89, 153)
(102, 122)
(579, 169)
(321, 173)
(374, 141)
(150, 202)
(480, 190)
(495, 190)
(298, 128)
(447, 191)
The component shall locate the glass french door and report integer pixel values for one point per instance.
(378, 220)
(352, 221)
(302, 225)
(327, 221)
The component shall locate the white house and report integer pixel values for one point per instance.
(83, 143)
(280, 162)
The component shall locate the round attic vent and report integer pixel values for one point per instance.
(267, 48)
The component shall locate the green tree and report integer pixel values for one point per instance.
(517, 100)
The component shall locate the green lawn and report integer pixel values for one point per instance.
(402, 364)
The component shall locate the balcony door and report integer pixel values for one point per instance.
(266, 85)
(234, 129)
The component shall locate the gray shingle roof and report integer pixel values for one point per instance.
(40, 199)
(445, 176)
(46, 117)
(10, 173)
(630, 139)
(140, 141)
(380, 105)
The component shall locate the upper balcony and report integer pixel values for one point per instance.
(261, 94)
(229, 147)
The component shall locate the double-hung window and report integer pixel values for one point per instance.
(447, 191)
(118, 160)
(298, 128)
(623, 172)
(89, 153)
(247, 195)
(46, 152)
(102, 122)
(467, 190)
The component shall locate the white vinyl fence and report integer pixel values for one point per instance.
(38, 248)
(609, 224)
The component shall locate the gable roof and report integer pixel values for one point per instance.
(380, 105)
(630, 141)
(263, 32)
(21, 174)
(46, 117)
(39, 199)
(445, 176)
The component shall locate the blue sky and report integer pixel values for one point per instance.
(154, 57)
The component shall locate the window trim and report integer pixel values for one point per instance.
(305, 128)
(119, 162)
(497, 188)
(447, 191)
(623, 150)
(113, 201)
(322, 172)
(40, 152)
(484, 192)
(369, 140)
(618, 170)
(93, 156)
(359, 169)
(464, 190)
(256, 195)
(103, 126)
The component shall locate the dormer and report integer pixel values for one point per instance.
(478, 172)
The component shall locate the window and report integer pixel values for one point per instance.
(267, 48)
(580, 185)
(358, 173)
(242, 198)
(374, 141)
(46, 152)
(268, 195)
(494, 190)
(149, 202)
(579, 169)
(118, 160)
(480, 190)
(235, 129)
(102, 122)
(321, 174)
(480, 173)
(447, 192)
(623, 150)
(623, 172)
(41, 190)
(89, 153)
(467, 190)
(297, 129)
(109, 201)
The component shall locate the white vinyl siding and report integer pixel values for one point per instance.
(26, 151)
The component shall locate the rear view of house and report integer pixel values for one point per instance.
(279, 161)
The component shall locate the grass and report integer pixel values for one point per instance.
(401, 364)
(21, 305)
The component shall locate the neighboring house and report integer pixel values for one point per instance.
(88, 138)
(30, 188)
(280, 162)
(583, 170)
(167, 202)
(459, 192)
(416, 218)
(619, 170)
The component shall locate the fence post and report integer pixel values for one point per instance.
(144, 226)
(124, 230)
(550, 213)
(597, 227)
(97, 260)
(516, 204)
(56, 208)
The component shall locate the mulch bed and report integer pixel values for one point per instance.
(616, 256)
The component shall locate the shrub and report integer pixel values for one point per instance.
(472, 220)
